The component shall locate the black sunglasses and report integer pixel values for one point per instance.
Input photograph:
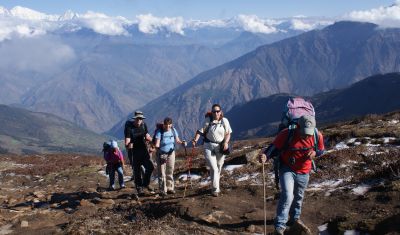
(216, 111)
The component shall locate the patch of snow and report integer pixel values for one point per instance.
(103, 173)
(230, 168)
(325, 184)
(352, 140)
(243, 178)
(206, 181)
(21, 165)
(387, 139)
(248, 177)
(372, 145)
(361, 189)
(351, 232)
(323, 229)
(341, 146)
(185, 177)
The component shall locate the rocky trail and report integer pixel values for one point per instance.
(356, 190)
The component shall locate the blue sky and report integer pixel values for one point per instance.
(201, 9)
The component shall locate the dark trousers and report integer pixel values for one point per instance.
(141, 157)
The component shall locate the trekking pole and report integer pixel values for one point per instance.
(189, 163)
(265, 206)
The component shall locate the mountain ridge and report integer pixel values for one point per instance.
(305, 65)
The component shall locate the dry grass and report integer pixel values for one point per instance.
(47, 164)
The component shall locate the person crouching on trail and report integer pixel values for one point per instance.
(115, 163)
(217, 133)
(165, 139)
(140, 156)
(295, 166)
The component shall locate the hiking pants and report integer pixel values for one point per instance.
(165, 167)
(293, 186)
(141, 157)
(117, 167)
(215, 161)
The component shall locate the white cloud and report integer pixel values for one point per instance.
(209, 23)
(254, 24)
(150, 24)
(44, 55)
(24, 22)
(307, 24)
(384, 16)
(29, 14)
(103, 24)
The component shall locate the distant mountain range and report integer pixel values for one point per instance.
(320, 60)
(94, 79)
(374, 95)
(26, 132)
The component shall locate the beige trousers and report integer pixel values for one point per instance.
(166, 171)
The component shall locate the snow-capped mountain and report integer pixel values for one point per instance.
(12, 19)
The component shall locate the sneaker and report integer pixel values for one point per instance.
(301, 226)
(123, 186)
(163, 194)
(279, 231)
(171, 192)
(111, 188)
(215, 194)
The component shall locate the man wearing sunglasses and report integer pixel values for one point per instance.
(136, 142)
(216, 132)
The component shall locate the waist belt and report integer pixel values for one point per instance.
(209, 141)
(169, 152)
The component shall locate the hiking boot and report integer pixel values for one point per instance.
(279, 231)
(150, 190)
(163, 194)
(171, 192)
(215, 194)
(140, 191)
(111, 188)
(301, 227)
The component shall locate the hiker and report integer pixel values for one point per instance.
(115, 163)
(216, 132)
(129, 124)
(136, 143)
(295, 166)
(165, 138)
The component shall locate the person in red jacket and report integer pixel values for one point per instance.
(115, 163)
(295, 158)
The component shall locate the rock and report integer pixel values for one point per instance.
(91, 190)
(54, 205)
(85, 202)
(39, 194)
(107, 201)
(253, 156)
(215, 217)
(68, 210)
(96, 200)
(65, 202)
(251, 228)
(24, 224)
